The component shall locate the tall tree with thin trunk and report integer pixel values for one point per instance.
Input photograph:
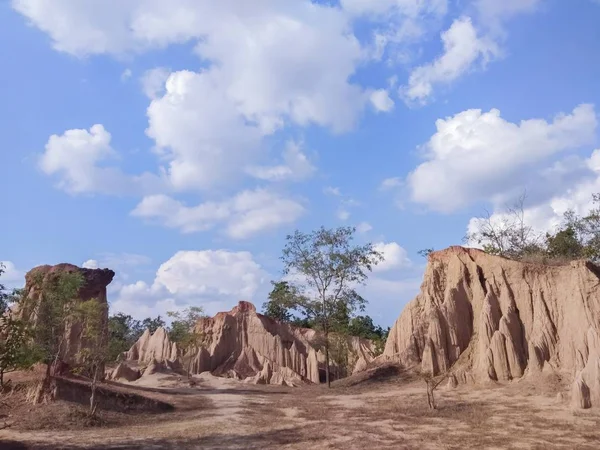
(325, 268)
(94, 337)
(48, 318)
(182, 332)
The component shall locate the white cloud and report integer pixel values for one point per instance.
(391, 183)
(394, 256)
(364, 227)
(574, 194)
(464, 49)
(334, 191)
(117, 261)
(276, 58)
(343, 214)
(265, 67)
(246, 214)
(409, 8)
(480, 156)
(126, 75)
(200, 132)
(77, 157)
(381, 101)
(153, 82)
(296, 166)
(213, 279)
(398, 23)
(90, 264)
(211, 272)
(493, 12)
(11, 276)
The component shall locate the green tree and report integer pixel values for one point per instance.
(565, 244)
(183, 333)
(12, 345)
(277, 306)
(123, 332)
(329, 268)
(48, 316)
(363, 326)
(153, 324)
(425, 252)
(94, 352)
(16, 350)
(4, 294)
(507, 234)
(587, 229)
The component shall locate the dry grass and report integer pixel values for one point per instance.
(389, 414)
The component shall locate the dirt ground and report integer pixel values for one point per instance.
(225, 414)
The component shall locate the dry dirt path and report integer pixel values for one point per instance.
(225, 414)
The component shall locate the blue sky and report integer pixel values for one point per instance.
(179, 142)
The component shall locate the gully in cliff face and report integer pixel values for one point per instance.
(519, 320)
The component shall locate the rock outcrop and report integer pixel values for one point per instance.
(490, 318)
(37, 280)
(124, 372)
(245, 345)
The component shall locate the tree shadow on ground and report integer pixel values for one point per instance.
(215, 441)
(200, 390)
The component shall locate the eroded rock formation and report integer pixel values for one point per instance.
(94, 283)
(490, 318)
(248, 346)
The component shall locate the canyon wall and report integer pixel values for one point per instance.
(489, 318)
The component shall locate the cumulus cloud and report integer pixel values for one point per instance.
(246, 214)
(391, 183)
(214, 279)
(381, 101)
(296, 166)
(481, 156)
(276, 58)
(394, 256)
(493, 12)
(408, 8)
(573, 194)
(11, 276)
(117, 261)
(153, 82)
(399, 23)
(343, 214)
(126, 75)
(334, 191)
(464, 49)
(217, 272)
(200, 133)
(274, 65)
(78, 159)
(364, 227)
(90, 264)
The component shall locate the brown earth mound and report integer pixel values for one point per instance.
(94, 286)
(246, 345)
(490, 318)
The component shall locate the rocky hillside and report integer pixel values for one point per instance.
(246, 345)
(94, 283)
(490, 318)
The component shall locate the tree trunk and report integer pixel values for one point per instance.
(1, 379)
(430, 398)
(93, 394)
(327, 377)
(45, 391)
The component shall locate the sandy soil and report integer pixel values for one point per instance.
(225, 414)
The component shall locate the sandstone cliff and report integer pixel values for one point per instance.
(490, 318)
(94, 286)
(248, 346)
